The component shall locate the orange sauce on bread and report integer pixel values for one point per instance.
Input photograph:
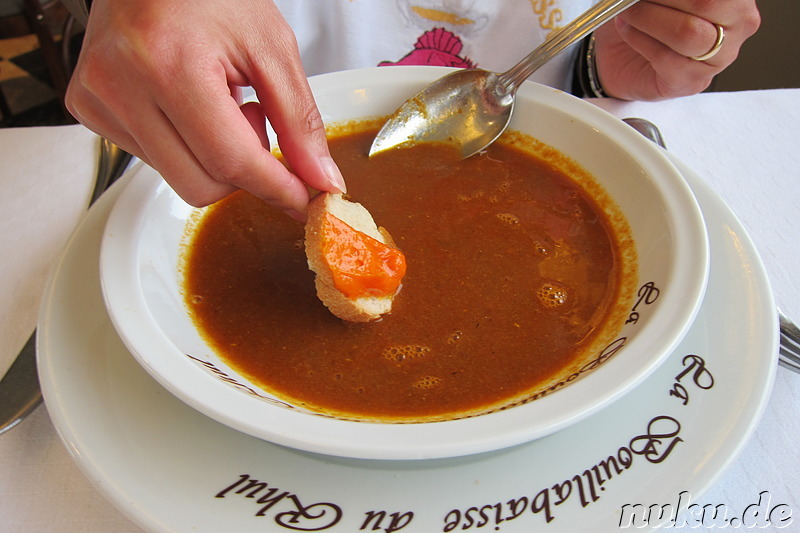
(360, 265)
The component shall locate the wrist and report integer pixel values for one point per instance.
(586, 81)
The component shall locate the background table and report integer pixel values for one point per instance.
(744, 144)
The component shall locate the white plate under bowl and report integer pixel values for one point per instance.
(165, 465)
(141, 284)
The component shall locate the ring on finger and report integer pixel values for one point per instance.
(717, 45)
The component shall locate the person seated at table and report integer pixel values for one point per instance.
(163, 78)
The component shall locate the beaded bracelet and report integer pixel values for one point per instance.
(586, 82)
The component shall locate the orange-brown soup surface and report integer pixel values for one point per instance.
(512, 269)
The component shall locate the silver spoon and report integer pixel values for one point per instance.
(470, 108)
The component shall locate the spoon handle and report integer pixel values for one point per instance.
(561, 39)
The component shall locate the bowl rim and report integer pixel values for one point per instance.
(143, 337)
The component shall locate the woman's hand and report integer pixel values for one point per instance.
(161, 78)
(646, 52)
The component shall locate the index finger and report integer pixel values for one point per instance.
(287, 99)
(209, 121)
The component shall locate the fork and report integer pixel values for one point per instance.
(790, 343)
(789, 353)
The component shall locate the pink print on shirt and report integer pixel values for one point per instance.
(437, 47)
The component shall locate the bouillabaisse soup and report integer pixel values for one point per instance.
(516, 263)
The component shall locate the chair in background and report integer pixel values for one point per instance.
(53, 27)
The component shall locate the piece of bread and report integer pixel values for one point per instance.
(319, 237)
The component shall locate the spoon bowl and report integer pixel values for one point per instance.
(469, 109)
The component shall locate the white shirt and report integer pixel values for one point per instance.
(491, 34)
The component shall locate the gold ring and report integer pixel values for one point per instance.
(717, 45)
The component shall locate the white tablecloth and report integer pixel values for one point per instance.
(744, 144)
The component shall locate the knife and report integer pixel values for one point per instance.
(20, 392)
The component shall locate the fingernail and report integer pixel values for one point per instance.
(333, 174)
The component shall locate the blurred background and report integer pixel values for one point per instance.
(39, 44)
